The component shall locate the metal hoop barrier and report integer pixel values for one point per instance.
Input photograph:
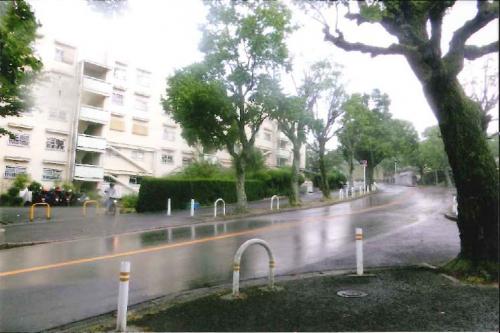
(237, 259)
(223, 207)
(47, 210)
(87, 202)
(277, 202)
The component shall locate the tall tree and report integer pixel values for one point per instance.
(18, 63)
(293, 119)
(459, 117)
(324, 96)
(222, 102)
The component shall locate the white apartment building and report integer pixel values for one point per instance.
(98, 118)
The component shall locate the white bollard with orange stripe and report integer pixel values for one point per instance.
(121, 315)
(359, 251)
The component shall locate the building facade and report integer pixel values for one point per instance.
(98, 118)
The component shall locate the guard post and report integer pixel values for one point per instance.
(32, 210)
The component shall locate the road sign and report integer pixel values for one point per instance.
(364, 162)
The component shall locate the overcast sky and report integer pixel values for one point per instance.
(165, 34)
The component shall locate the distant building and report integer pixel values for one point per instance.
(98, 118)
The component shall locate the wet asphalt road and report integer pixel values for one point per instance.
(48, 285)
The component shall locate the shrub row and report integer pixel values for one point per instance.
(336, 179)
(276, 181)
(154, 192)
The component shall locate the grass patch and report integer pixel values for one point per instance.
(467, 271)
(398, 300)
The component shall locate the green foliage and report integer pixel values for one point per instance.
(493, 145)
(276, 181)
(35, 186)
(336, 179)
(129, 200)
(154, 192)
(255, 161)
(232, 89)
(21, 181)
(371, 134)
(18, 64)
(203, 169)
(432, 155)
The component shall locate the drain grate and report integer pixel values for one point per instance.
(351, 293)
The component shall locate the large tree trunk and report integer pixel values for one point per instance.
(473, 166)
(325, 188)
(294, 196)
(241, 196)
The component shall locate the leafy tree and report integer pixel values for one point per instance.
(293, 119)
(459, 117)
(431, 152)
(222, 101)
(322, 86)
(18, 63)
(372, 135)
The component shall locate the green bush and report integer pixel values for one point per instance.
(203, 170)
(129, 200)
(276, 181)
(154, 192)
(336, 179)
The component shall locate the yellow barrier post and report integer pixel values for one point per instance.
(86, 202)
(47, 210)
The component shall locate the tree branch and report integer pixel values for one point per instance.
(486, 13)
(472, 52)
(374, 51)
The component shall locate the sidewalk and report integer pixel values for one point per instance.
(68, 223)
(397, 299)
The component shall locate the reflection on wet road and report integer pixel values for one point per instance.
(57, 283)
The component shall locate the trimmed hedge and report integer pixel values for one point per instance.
(276, 181)
(154, 192)
(336, 179)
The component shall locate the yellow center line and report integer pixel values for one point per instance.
(187, 243)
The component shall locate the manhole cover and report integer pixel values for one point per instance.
(351, 293)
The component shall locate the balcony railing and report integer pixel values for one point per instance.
(91, 143)
(93, 114)
(88, 172)
(96, 85)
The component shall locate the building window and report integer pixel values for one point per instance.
(51, 174)
(283, 144)
(138, 155)
(20, 140)
(64, 54)
(117, 98)
(167, 158)
(139, 128)
(59, 55)
(186, 160)
(141, 103)
(13, 171)
(268, 136)
(120, 72)
(54, 144)
(55, 114)
(116, 124)
(143, 78)
(282, 162)
(169, 133)
(135, 180)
